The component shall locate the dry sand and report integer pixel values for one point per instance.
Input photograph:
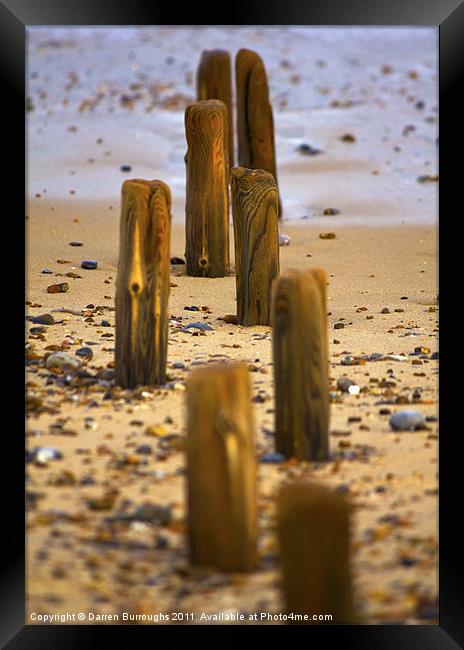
(82, 559)
(77, 562)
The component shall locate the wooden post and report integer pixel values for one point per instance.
(255, 122)
(207, 198)
(221, 468)
(254, 210)
(300, 350)
(142, 288)
(314, 537)
(214, 81)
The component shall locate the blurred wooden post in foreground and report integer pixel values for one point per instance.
(214, 81)
(142, 288)
(255, 122)
(300, 350)
(254, 209)
(207, 191)
(221, 468)
(314, 538)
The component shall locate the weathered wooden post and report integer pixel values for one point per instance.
(300, 350)
(221, 468)
(207, 191)
(254, 210)
(314, 538)
(214, 81)
(142, 288)
(255, 121)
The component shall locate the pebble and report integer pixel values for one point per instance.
(47, 271)
(407, 421)
(348, 386)
(41, 455)
(177, 260)
(41, 329)
(178, 365)
(329, 212)
(58, 288)
(327, 235)
(85, 352)
(348, 137)
(339, 326)
(198, 326)
(284, 240)
(232, 319)
(349, 361)
(75, 243)
(152, 513)
(125, 168)
(272, 458)
(63, 361)
(144, 449)
(308, 150)
(385, 310)
(43, 319)
(396, 357)
(89, 264)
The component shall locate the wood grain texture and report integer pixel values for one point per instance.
(255, 121)
(256, 234)
(143, 284)
(221, 468)
(214, 81)
(300, 351)
(314, 537)
(207, 190)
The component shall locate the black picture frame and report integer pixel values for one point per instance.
(15, 16)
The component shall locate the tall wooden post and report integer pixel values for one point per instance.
(254, 210)
(221, 468)
(300, 349)
(142, 288)
(255, 121)
(207, 192)
(314, 536)
(214, 81)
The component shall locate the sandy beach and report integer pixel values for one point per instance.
(95, 543)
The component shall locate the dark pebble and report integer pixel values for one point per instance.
(155, 514)
(272, 458)
(125, 168)
(75, 243)
(144, 449)
(308, 150)
(47, 271)
(434, 356)
(339, 326)
(105, 323)
(178, 365)
(191, 308)
(38, 330)
(198, 326)
(385, 310)
(89, 264)
(43, 319)
(84, 352)
(177, 260)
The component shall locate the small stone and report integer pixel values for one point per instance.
(105, 323)
(152, 513)
(43, 319)
(156, 430)
(62, 361)
(327, 235)
(272, 458)
(125, 168)
(144, 449)
(197, 325)
(177, 260)
(71, 274)
(42, 455)
(308, 150)
(348, 386)
(385, 310)
(178, 365)
(407, 421)
(89, 264)
(284, 240)
(427, 179)
(75, 243)
(58, 288)
(40, 329)
(339, 326)
(348, 137)
(329, 212)
(47, 271)
(349, 361)
(232, 319)
(87, 353)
